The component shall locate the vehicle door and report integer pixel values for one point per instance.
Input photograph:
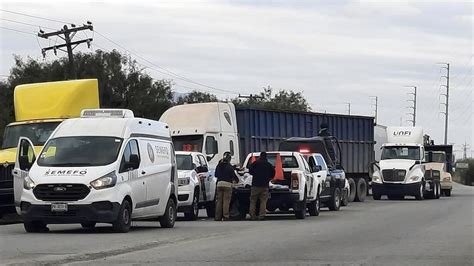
(205, 177)
(25, 158)
(164, 168)
(318, 172)
(310, 179)
(129, 170)
(325, 175)
(150, 173)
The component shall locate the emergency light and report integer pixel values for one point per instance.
(115, 113)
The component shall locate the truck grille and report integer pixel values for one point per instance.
(61, 192)
(432, 175)
(393, 175)
(6, 177)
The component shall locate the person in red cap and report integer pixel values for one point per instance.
(262, 172)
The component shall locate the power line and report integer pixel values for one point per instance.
(19, 31)
(33, 16)
(24, 23)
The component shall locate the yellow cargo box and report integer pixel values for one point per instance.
(60, 99)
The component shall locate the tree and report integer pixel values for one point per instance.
(285, 100)
(121, 82)
(197, 97)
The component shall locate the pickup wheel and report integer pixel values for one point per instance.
(168, 219)
(211, 209)
(193, 212)
(352, 188)
(35, 227)
(345, 197)
(361, 190)
(314, 206)
(301, 212)
(335, 201)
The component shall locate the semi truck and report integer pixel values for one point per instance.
(401, 170)
(440, 162)
(213, 128)
(39, 109)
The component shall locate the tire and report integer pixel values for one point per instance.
(88, 225)
(345, 198)
(335, 201)
(376, 196)
(193, 212)
(352, 187)
(301, 213)
(361, 190)
(438, 191)
(397, 197)
(124, 219)
(314, 206)
(35, 227)
(447, 192)
(168, 219)
(420, 195)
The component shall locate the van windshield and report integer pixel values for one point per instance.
(38, 133)
(184, 162)
(401, 152)
(188, 143)
(80, 151)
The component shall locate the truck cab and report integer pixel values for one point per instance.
(440, 158)
(401, 170)
(196, 185)
(295, 186)
(39, 109)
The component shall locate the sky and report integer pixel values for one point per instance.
(334, 52)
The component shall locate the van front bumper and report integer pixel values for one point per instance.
(100, 212)
(396, 189)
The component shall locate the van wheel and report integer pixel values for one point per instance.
(168, 219)
(345, 197)
(335, 201)
(124, 219)
(193, 212)
(352, 188)
(361, 190)
(35, 227)
(314, 207)
(88, 225)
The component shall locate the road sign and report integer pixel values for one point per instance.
(462, 165)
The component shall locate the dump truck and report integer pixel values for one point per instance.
(39, 109)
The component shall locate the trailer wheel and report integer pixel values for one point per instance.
(335, 201)
(352, 187)
(361, 192)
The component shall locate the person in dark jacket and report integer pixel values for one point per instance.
(225, 175)
(262, 172)
(324, 130)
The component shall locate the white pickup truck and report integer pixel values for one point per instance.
(298, 190)
(196, 185)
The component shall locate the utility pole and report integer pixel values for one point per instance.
(67, 34)
(348, 108)
(413, 115)
(465, 148)
(446, 104)
(376, 105)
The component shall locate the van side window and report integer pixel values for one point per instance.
(231, 147)
(130, 149)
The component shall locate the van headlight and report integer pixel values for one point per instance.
(105, 181)
(184, 181)
(28, 183)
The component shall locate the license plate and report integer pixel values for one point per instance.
(59, 207)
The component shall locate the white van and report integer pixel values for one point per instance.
(105, 167)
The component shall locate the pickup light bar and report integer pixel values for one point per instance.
(113, 113)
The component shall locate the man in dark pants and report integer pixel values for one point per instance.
(262, 172)
(225, 176)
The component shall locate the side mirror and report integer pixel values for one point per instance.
(24, 162)
(317, 168)
(417, 162)
(209, 158)
(134, 162)
(202, 169)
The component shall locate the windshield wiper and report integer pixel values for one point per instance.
(71, 164)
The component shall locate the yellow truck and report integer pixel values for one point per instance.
(39, 109)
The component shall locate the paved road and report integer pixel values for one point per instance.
(409, 232)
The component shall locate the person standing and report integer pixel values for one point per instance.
(225, 175)
(262, 172)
